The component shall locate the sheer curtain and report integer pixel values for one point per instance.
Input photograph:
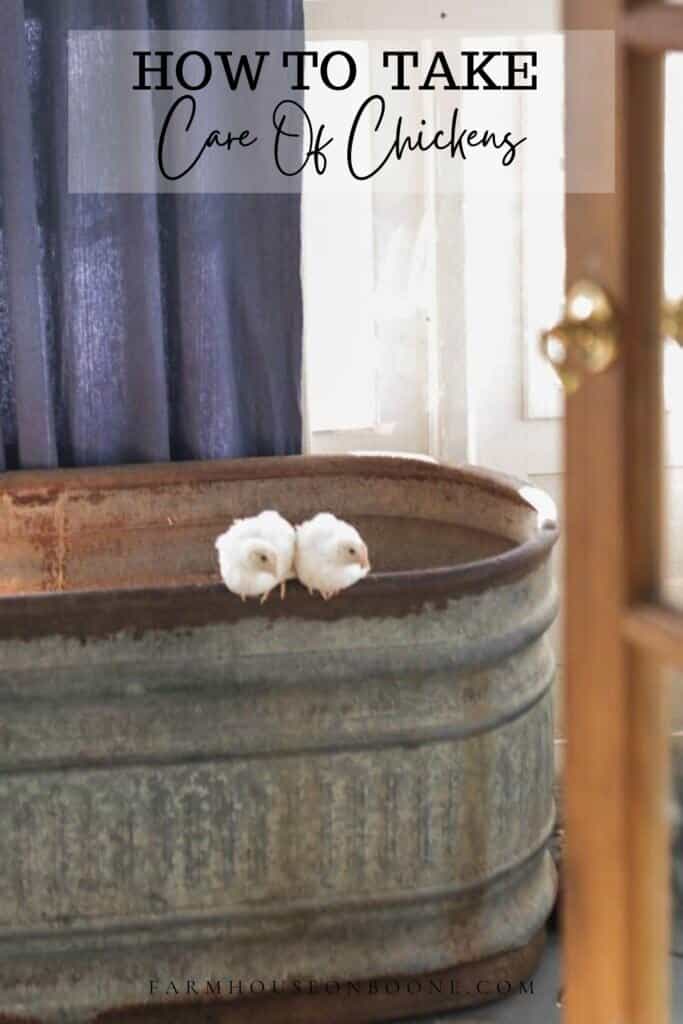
(136, 328)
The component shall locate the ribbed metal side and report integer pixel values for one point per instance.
(347, 797)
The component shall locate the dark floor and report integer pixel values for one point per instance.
(540, 1008)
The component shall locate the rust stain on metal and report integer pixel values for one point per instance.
(95, 497)
(61, 550)
(137, 572)
(33, 499)
(201, 474)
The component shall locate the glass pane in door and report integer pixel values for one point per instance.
(673, 345)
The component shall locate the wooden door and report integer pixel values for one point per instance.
(620, 636)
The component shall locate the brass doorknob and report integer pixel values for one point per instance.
(672, 320)
(585, 339)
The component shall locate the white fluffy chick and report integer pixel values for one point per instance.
(330, 555)
(256, 555)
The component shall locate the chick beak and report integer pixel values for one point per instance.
(364, 560)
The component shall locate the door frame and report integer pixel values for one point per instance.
(618, 632)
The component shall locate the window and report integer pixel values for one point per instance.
(398, 288)
(404, 293)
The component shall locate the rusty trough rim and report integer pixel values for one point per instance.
(387, 594)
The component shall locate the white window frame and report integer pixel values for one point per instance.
(440, 348)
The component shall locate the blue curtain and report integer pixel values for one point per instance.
(136, 328)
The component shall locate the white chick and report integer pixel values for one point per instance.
(330, 555)
(256, 555)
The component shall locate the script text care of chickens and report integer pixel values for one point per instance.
(296, 140)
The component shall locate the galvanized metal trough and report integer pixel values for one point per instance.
(199, 796)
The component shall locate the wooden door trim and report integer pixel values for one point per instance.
(651, 28)
(655, 629)
(641, 430)
(594, 908)
(616, 907)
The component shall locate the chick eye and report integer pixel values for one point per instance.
(263, 559)
(352, 551)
